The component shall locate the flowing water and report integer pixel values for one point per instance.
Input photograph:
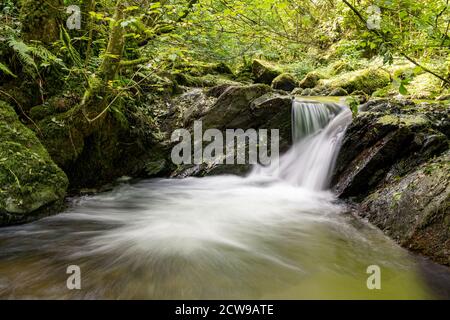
(277, 233)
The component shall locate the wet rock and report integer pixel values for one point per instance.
(394, 160)
(31, 184)
(415, 209)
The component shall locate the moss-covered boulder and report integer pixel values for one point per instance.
(30, 182)
(310, 80)
(264, 72)
(285, 82)
(367, 80)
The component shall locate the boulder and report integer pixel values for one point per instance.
(366, 80)
(31, 184)
(232, 108)
(394, 162)
(415, 209)
(310, 80)
(285, 82)
(264, 72)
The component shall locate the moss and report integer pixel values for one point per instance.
(310, 80)
(61, 138)
(367, 80)
(285, 82)
(208, 80)
(265, 72)
(29, 179)
(40, 19)
(405, 120)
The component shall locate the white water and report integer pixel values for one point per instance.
(270, 235)
(317, 133)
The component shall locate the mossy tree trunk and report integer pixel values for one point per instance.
(41, 19)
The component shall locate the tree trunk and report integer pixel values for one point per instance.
(41, 19)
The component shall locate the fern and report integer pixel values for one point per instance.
(6, 70)
(23, 51)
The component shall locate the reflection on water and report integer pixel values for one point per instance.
(209, 238)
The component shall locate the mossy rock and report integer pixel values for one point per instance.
(200, 69)
(285, 82)
(310, 80)
(29, 179)
(338, 92)
(367, 80)
(264, 72)
(206, 81)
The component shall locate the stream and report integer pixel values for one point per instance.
(275, 234)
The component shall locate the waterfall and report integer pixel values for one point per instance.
(317, 132)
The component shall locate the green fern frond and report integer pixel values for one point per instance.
(45, 55)
(6, 70)
(23, 51)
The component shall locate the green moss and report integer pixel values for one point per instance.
(264, 71)
(208, 80)
(367, 80)
(284, 81)
(404, 119)
(29, 179)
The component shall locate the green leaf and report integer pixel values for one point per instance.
(402, 89)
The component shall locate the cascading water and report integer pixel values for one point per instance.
(274, 234)
(317, 131)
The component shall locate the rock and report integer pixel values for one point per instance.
(310, 80)
(97, 153)
(264, 72)
(232, 109)
(415, 209)
(217, 91)
(285, 82)
(367, 80)
(31, 184)
(244, 108)
(361, 96)
(394, 161)
(338, 92)
(376, 141)
(298, 92)
(205, 81)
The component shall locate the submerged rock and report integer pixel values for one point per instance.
(31, 184)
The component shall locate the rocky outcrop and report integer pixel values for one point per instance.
(394, 162)
(414, 209)
(31, 184)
